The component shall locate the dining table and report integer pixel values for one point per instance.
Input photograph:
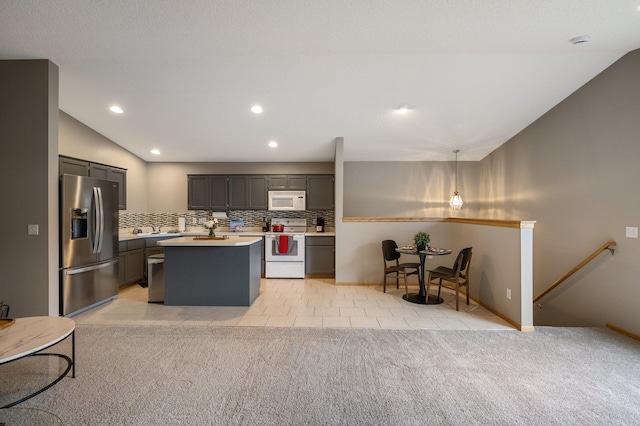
(421, 297)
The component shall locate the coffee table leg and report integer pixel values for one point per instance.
(71, 366)
(73, 353)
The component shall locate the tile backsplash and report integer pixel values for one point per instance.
(252, 218)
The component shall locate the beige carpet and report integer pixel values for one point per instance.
(145, 375)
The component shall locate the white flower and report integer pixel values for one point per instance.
(211, 224)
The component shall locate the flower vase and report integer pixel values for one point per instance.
(421, 247)
(211, 233)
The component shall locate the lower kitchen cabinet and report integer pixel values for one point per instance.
(133, 266)
(320, 256)
(151, 248)
(131, 260)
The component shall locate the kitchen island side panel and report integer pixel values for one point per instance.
(212, 276)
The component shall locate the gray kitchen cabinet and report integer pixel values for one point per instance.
(197, 192)
(74, 166)
(133, 258)
(258, 197)
(207, 192)
(151, 248)
(121, 266)
(320, 192)
(133, 266)
(131, 261)
(71, 166)
(320, 256)
(248, 192)
(112, 173)
(288, 182)
(218, 193)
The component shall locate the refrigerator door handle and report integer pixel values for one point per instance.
(95, 218)
(90, 268)
(101, 222)
(98, 222)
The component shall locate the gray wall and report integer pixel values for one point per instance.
(167, 182)
(575, 172)
(80, 141)
(29, 167)
(408, 189)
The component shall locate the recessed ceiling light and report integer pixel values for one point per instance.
(404, 108)
(155, 151)
(116, 109)
(273, 144)
(256, 109)
(580, 39)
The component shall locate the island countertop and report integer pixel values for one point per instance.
(191, 242)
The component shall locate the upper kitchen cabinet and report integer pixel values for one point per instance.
(73, 166)
(112, 173)
(248, 192)
(320, 189)
(288, 182)
(206, 192)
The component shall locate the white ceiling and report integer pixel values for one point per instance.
(474, 72)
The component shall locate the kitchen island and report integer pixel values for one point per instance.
(202, 272)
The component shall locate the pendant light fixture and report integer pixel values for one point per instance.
(456, 201)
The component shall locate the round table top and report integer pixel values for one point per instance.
(32, 334)
(431, 251)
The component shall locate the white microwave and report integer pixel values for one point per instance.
(287, 200)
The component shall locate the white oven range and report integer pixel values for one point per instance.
(284, 251)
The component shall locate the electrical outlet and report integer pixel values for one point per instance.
(509, 293)
(32, 230)
(632, 232)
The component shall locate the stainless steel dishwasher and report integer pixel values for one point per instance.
(155, 278)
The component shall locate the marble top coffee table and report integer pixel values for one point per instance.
(28, 336)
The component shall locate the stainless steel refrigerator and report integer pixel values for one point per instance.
(88, 242)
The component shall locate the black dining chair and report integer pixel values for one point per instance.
(396, 269)
(457, 276)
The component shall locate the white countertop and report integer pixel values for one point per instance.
(192, 242)
(128, 237)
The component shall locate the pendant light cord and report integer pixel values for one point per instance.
(456, 151)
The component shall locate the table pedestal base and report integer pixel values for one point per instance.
(421, 300)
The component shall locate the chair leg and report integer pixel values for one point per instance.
(428, 286)
(406, 287)
(467, 290)
(397, 279)
(439, 287)
(457, 297)
(384, 282)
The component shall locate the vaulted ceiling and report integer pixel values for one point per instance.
(186, 73)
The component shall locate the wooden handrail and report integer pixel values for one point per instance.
(606, 246)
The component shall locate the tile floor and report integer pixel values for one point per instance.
(302, 303)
